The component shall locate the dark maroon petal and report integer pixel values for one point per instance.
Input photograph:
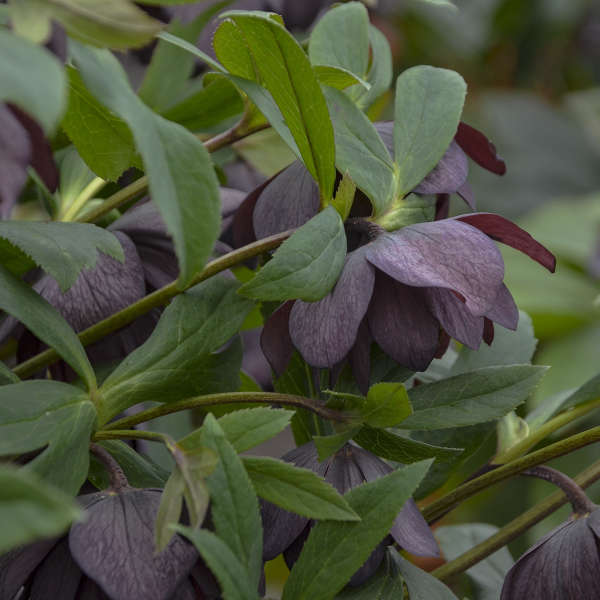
(115, 547)
(465, 191)
(288, 201)
(325, 331)
(57, 44)
(443, 344)
(370, 565)
(254, 361)
(243, 229)
(447, 254)
(141, 222)
(275, 339)
(401, 324)
(343, 472)
(488, 331)
(442, 207)
(17, 565)
(360, 357)
(306, 456)
(505, 231)
(42, 159)
(98, 292)
(504, 310)
(449, 175)
(371, 466)
(454, 317)
(479, 148)
(411, 531)
(280, 529)
(15, 154)
(292, 553)
(299, 15)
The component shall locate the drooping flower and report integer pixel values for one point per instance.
(108, 556)
(286, 532)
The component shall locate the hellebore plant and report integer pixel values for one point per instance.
(136, 280)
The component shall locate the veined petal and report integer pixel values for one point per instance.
(479, 148)
(448, 254)
(288, 201)
(505, 231)
(360, 357)
(325, 331)
(454, 317)
(449, 175)
(401, 324)
(411, 531)
(504, 311)
(275, 339)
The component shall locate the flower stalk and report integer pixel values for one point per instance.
(117, 478)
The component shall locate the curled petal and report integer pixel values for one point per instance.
(479, 148)
(275, 339)
(243, 230)
(488, 331)
(288, 201)
(442, 207)
(454, 317)
(447, 254)
(465, 191)
(401, 324)
(325, 331)
(449, 175)
(505, 231)
(411, 531)
(504, 311)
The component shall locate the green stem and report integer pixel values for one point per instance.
(117, 478)
(133, 434)
(515, 528)
(545, 430)
(439, 507)
(226, 398)
(157, 298)
(139, 186)
(86, 194)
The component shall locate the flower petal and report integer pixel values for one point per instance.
(15, 154)
(504, 310)
(280, 529)
(411, 531)
(325, 331)
(449, 175)
(447, 254)
(275, 339)
(288, 201)
(454, 317)
(401, 324)
(360, 357)
(465, 191)
(488, 331)
(479, 148)
(505, 231)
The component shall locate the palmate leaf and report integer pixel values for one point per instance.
(51, 416)
(181, 177)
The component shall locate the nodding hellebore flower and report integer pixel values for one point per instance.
(351, 466)
(564, 564)
(109, 556)
(409, 290)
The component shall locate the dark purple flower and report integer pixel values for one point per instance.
(22, 143)
(351, 466)
(563, 565)
(108, 556)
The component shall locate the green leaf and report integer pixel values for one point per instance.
(6, 375)
(421, 585)
(429, 103)
(329, 444)
(509, 348)
(476, 397)
(218, 100)
(249, 427)
(360, 151)
(341, 38)
(385, 584)
(141, 471)
(31, 510)
(177, 361)
(344, 196)
(229, 571)
(333, 552)
(181, 178)
(167, 74)
(400, 449)
(169, 510)
(285, 71)
(445, 3)
(590, 390)
(61, 249)
(234, 506)
(43, 92)
(51, 414)
(306, 265)
(381, 71)
(511, 429)
(297, 490)
(386, 405)
(338, 78)
(488, 574)
(45, 322)
(117, 24)
(103, 140)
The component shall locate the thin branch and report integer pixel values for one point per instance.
(226, 398)
(117, 478)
